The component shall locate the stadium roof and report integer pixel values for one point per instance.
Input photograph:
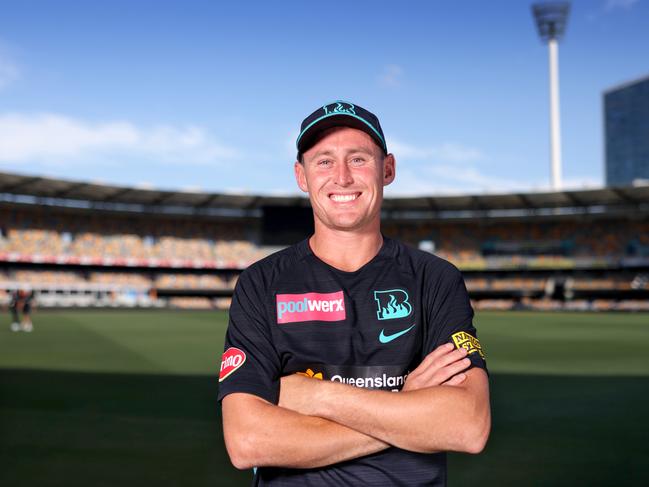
(43, 190)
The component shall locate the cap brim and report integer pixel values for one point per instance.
(309, 136)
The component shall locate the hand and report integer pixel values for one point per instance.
(443, 366)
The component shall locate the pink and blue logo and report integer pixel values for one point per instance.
(293, 308)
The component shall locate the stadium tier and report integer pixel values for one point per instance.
(85, 245)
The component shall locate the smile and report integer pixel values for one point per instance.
(343, 198)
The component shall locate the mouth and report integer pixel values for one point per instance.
(343, 197)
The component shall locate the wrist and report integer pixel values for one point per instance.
(326, 398)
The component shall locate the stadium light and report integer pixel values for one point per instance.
(551, 19)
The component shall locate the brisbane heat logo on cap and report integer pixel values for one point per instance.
(292, 308)
(233, 358)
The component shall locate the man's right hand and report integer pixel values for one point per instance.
(443, 366)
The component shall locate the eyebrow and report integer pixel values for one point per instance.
(322, 153)
(353, 150)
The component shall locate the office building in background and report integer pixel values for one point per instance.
(626, 126)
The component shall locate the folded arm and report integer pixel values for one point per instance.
(424, 420)
(258, 433)
(421, 418)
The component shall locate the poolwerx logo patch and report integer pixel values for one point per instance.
(468, 341)
(392, 304)
(233, 358)
(292, 308)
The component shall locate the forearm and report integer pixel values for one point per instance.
(425, 420)
(269, 435)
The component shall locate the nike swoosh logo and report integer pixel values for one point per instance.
(383, 338)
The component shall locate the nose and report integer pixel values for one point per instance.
(343, 176)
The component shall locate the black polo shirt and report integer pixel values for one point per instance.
(291, 312)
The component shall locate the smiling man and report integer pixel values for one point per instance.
(350, 358)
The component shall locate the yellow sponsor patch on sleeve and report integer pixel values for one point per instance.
(467, 341)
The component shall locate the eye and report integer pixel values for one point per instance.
(357, 161)
(324, 163)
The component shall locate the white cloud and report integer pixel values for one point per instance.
(144, 185)
(289, 144)
(619, 4)
(450, 179)
(391, 76)
(59, 139)
(193, 188)
(9, 72)
(237, 190)
(583, 182)
(472, 177)
(457, 179)
(448, 151)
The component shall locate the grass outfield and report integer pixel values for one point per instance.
(128, 398)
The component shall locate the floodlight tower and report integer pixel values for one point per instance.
(551, 19)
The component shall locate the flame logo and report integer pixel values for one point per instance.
(392, 304)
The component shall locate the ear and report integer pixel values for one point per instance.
(300, 177)
(389, 167)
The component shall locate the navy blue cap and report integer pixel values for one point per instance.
(336, 114)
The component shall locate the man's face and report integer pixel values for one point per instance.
(344, 174)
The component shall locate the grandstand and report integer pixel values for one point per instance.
(79, 244)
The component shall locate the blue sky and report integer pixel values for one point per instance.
(207, 95)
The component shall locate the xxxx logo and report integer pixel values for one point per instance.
(468, 341)
(392, 304)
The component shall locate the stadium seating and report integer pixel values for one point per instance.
(111, 259)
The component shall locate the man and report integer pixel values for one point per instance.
(14, 303)
(26, 323)
(21, 300)
(350, 358)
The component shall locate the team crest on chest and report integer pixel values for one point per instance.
(392, 304)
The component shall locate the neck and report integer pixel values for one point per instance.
(344, 250)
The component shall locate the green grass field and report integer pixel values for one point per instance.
(129, 398)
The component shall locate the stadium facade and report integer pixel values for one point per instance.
(626, 120)
(80, 244)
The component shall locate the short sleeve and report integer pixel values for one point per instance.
(450, 316)
(250, 361)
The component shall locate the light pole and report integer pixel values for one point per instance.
(551, 19)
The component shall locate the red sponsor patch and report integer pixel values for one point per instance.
(233, 358)
(292, 308)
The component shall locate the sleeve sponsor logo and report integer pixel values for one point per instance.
(392, 304)
(293, 308)
(467, 341)
(233, 358)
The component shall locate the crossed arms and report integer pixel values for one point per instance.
(442, 407)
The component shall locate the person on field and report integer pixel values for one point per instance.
(26, 322)
(21, 302)
(350, 358)
(14, 303)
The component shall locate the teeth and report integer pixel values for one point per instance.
(343, 197)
